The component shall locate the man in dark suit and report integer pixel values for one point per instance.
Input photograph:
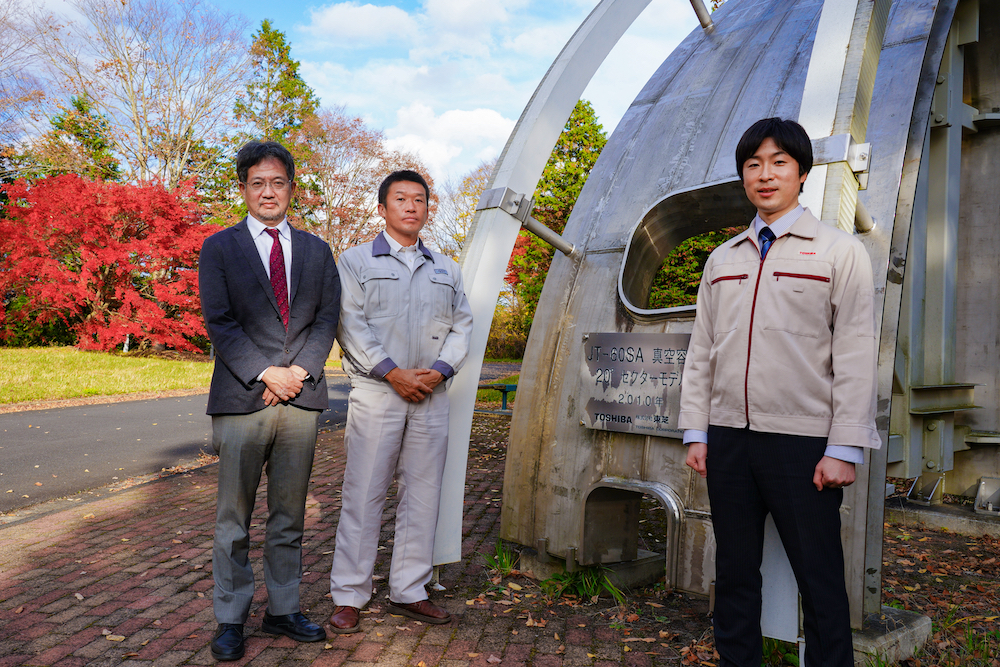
(270, 295)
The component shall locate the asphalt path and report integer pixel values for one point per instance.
(46, 454)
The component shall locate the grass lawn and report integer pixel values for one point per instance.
(44, 373)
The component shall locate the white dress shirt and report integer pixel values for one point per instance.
(263, 241)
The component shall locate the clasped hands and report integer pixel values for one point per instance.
(414, 384)
(282, 384)
(830, 473)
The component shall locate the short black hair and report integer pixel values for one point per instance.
(255, 152)
(407, 175)
(788, 135)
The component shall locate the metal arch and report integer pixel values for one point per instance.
(493, 233)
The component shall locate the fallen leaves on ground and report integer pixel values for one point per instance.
(951, 578)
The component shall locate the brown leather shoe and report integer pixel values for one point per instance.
(425, 611)
(345, 620)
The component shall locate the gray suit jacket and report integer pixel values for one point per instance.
(241, 315)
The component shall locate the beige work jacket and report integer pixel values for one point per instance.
(786, 344)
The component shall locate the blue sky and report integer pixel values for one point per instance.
(447, 79)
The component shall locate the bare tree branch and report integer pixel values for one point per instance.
(457, 207)
(343, 168)
(166, 75)
(20, 90)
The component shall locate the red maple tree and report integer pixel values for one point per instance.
(109, 259)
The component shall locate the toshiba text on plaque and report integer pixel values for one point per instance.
(632, 382)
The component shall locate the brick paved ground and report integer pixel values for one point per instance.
(126, 580)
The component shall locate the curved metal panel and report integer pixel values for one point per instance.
(491, 239)
(677, 217)
(679, 137)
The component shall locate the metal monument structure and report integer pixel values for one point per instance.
(902, 99)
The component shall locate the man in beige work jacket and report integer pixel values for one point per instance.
(779, 396)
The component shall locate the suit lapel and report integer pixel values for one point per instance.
(249, 248)
(298, 262)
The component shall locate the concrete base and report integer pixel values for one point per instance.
(538, 568)
(957, 520)
(890, 637)
(647, 569)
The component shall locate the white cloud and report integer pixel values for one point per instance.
(352, 24)
(452, 143)
(544, 41)
(637, 56)
(474, 15)
(448, 85)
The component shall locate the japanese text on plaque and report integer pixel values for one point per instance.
(633, 382)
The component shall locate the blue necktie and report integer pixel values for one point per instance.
(766, 239)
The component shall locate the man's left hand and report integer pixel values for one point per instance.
(430, 377)
(833, 473)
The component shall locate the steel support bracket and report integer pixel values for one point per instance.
(842, 148)
(513, 203)
(942, 398)
(946, 111)
(926, 490)
(519, 206)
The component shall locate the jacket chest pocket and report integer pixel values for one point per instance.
(382, 292)
(798, 302)
(728, 289)
(442, 296)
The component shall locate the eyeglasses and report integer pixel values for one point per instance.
(278, 185)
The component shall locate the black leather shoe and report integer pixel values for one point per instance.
(228, 642)
(296, 626)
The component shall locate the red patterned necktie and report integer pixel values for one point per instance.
(278, 282)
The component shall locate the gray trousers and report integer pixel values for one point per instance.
(388, 437)
(283, 438)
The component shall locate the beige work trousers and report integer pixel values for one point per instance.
(388, 437)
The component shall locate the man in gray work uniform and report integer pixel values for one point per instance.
(405, 326)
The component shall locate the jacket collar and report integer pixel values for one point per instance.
(807, 227)
(380, 246)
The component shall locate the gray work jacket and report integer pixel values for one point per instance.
(391, 318)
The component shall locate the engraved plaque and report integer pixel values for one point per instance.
(632, 382)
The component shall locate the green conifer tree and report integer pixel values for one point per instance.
(276, 100)
(573, 157)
